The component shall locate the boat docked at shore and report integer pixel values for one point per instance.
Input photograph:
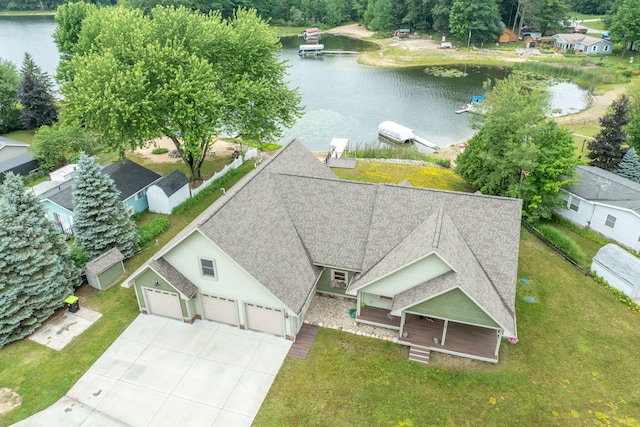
(310, 49)
(472, 105)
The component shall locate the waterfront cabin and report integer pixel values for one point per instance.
(310, 49)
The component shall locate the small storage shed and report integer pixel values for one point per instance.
(168, 192)
(619, 268)
(103, 271)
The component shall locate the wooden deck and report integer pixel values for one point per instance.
(304, 340)
(460, 338)
(379, 316)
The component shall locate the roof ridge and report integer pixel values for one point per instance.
(438, 228)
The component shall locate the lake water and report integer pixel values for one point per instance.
(341, 97)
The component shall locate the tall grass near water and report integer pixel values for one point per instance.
(583, 76)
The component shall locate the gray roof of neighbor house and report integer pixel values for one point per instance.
(299, 217)
(128, 176)
(619, 262)
(581, 38)
(21, 164)
(11, 143)
(173, 182)
(104, 261)
(599, 185)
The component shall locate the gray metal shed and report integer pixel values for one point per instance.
(105, 270)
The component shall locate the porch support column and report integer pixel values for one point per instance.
(402, 320)
(444, 331)
(499, 333)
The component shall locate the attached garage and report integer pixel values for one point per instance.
(220, 309)
(265, 319)
(163, 303)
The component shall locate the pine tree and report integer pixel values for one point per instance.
(36, 270)
(629, 166)
(36, 96)
(606, 149)
(100, 218)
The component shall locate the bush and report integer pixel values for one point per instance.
(581, 231)
(79, 255)
(153, 229)
(561, 242)
(160, 150)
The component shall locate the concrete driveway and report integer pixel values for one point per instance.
(161, 372)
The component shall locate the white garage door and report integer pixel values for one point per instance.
(163, 303)
(265, 319)
(220, 309)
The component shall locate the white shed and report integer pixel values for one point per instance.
(168, 192)
(619, 268)
(105, 270)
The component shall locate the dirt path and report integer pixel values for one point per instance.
(219, 147)
(601, 102)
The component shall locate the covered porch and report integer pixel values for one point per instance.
(453, 338)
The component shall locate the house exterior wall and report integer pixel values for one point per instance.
(231, 280)
(455, 305)
(626, 230)
(408, 277)
(160, 203)
(57, 213)
(138, 204)
(615, 280)
(147, 279)
(109, 276)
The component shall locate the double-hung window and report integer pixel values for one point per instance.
(207, 267)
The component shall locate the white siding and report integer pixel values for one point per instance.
(231, 280)
(627, 227)
(614, 280)
(408, 277)
(582, 216)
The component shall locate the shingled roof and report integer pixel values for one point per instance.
(598, 185)
(302, 218)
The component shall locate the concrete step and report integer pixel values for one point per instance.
(419, 354)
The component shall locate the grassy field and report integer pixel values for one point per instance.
(41, 375)
(575, 364)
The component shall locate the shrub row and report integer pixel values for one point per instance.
(398, 152)
(561, 242)
(152, 229)
(214, 186)
(581, 231)
(622, 297)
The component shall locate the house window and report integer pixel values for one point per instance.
(574, 204)
(338, 279)
(385, 298)
(594, 48)
(611, 221)
(140, 194)
(207, 268)
(606, 48)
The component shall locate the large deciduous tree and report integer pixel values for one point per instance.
(178, 74)
(36, 270)
(475, 20)
(61, 144)
(519, 151)
(606, 150)
(633, 127)
(36, 96)
(9, 84)
(100, 221)
(625, 24)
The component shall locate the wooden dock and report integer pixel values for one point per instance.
(426, 143)
(339, 52)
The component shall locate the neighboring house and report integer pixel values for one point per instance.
(22, 164)
(507, 36)
(131, 179)
(583, 43)
(606, 203)
(10, 148)
(428, 264)
(168, 192)
(619, 268)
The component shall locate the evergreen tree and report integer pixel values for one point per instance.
(9, 83)
(633, 128)
(606, 149)
(100, 218)
(36, 96)
(36, 270)
(629, 166)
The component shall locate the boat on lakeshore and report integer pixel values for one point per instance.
(401, 134)
(311, 49)
(472, 105)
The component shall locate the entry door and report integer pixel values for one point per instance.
(163, 303)
(265, 319)
(220, 309)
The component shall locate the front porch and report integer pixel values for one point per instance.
(378, 316)
(460, 339)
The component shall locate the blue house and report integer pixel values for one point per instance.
(131, 179)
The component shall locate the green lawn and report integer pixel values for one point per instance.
(41, 375)
(575, 364)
